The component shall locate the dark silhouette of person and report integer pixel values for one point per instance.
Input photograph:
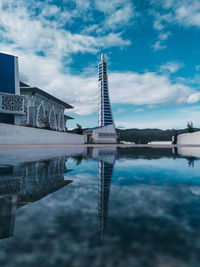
(175, 136)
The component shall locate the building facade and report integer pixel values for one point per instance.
(21, 104)
(11, 102)
(43, 110)
(104, 108)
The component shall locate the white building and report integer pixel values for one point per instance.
(43, 110)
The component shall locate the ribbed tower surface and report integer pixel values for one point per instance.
(104, 107)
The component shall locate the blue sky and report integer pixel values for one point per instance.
(152, 49)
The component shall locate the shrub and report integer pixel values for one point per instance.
(190, 128)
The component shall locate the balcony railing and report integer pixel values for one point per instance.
(12, 104)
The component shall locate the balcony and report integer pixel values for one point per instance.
(12, 104)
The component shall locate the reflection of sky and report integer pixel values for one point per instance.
(164, 170)
(86, 166)
(153, 218)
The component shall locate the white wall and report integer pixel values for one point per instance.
(160, 143)
(20, 135)
(189, 139)
(105, 129)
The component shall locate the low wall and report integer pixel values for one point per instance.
(160, 143)
(20, 135)
(105, 135)
(189, 139)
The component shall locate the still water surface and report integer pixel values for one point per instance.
(100, 207)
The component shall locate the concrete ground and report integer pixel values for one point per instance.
(6, 147)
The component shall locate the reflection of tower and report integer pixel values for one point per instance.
(106, 157)
(104, 108)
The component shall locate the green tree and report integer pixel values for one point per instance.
(79, 129)
(190, 128)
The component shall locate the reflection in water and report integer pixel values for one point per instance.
(106, 157)
(190, 153)
(26, 183)
(153, 220)
(8, 206)
(191, 161)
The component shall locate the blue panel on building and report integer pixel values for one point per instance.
(7, 73)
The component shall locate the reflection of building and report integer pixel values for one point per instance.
(187, 151)
(26, 183)
(106, 157)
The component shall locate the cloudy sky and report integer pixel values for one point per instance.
(152, 50)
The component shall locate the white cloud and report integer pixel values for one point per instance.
(27, 36)
(81, 91)
(164, 35)
(41, 43)
(83, 4)
(108, 6)
(171, 67)
(188, 13)
(24, 30)
(183, 12)
(152, 106)
(158, 46)
(139, 110)
(160, 20)
(146, 89)
(157, 25)
(120, 110)
(193, 98)
(120, 17)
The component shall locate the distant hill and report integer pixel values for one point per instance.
(147, 135)
(143, 136)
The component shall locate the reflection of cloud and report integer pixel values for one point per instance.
(149, 200)
(147, 218)
(197, 67)
(138, 178)
(195, 190)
